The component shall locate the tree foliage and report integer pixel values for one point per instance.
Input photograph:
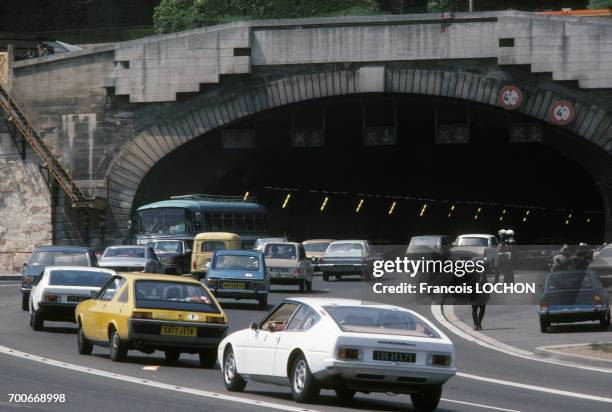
(175, 15)
(438, 6)
(600, 4)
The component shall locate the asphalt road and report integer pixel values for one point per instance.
(47, 362)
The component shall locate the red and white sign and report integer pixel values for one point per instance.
(510, 97)
(562, 113)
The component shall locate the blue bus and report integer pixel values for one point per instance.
(182, 217)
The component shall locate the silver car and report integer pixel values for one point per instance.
(287, 264)
(133, 258)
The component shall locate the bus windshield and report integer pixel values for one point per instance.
(165, 221)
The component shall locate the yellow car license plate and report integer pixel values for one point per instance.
(233, 286)
(179, 331)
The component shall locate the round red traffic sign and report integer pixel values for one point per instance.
(562, 113)
(510, 97)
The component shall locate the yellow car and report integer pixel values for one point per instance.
(149, 312)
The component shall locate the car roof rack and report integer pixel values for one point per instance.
(215, 198)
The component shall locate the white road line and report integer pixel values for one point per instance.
(437, 313)
(479, 405)
(145, 382)
(84, 369)
(535, 388)
(11, 285)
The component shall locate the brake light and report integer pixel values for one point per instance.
(441, 360)
(348, 353)
(597, 299)
(51, 298)
(215, 319)
(142, 315)
(543, 306)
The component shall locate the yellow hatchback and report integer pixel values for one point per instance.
(149, 312)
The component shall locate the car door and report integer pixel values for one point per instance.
(259, 347)
(91, 311)
(117, 309)
(101, 308)
(294, 336)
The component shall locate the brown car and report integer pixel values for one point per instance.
(315, 249)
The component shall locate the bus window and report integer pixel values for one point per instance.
(239, 222)
(260, 223)
(167, 220)
(214, 221)
(249, 222)
(228, 222)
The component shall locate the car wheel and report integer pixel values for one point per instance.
(172, 355)
(325, 277)
(427, 401)
(304, 386)
(263, 302)
(84, 346)
(544, 326)
(345, 395)
(37, 322)
(25, 302)
(231, 377)
(118, 348)
(208, 358)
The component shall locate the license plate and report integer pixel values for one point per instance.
(178, 331)
(394, 356)
(233, 285)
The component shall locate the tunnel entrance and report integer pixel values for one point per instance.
(410, 183)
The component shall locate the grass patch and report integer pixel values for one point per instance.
(602, 347)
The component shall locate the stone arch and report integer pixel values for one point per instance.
(220, 107)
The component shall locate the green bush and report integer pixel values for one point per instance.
(600, 4)
(438, 6)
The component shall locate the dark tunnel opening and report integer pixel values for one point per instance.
(480, 186)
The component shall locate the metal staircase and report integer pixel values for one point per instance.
(49, 161)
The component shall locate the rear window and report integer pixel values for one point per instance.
(78, 278)
(570, 281)
(424, 241)
(367, 319)
(211, 246)
(125, 252)
(173, 296)
(59, 258)
(345, 247)
(315, 247)
(236, 262)
(472, 241)
(280, 251)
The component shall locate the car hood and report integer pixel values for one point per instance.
(122, 262)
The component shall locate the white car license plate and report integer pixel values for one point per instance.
(405, 357)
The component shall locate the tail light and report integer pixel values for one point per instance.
(441, 360)
(215, 319)
(142, 315)
(543, 306)
(51, 298)
(597, 299)
(348, 353)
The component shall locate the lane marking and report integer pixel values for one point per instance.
(535, 388)
(3, 285)
(139, 381)
(479, 405)
(437, 313)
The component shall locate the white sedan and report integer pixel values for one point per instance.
(60, 290)
(311, 344)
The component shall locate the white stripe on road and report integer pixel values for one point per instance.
(11, 352)
(159, 385)
(479, 405)
(11, 285)
(437, 313)
(535, 388)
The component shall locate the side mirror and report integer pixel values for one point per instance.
(254, 326)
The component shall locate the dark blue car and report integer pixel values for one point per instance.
(239, 274)
(570, 297)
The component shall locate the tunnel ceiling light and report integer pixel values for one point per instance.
(477, 213)
(246, 196)
(392, 208)
(588, 220)
(324, 204)
(450, 213)
(286, 202)
(423, 209)
(359, 205)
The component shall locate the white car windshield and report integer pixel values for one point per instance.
(369, 319)
(167, 246)
(125, 252)
(78, 278)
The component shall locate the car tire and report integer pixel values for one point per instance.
(118, 348)
(544, 325)
(37, 322)
(84, 346)
(427, 401)
(304, 386)
(344, 395)
(25, 302)
(172, 356)
(325, 277)
(232, 379)
(208, 358)
(263, 302)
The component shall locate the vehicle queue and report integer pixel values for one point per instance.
(126, 300)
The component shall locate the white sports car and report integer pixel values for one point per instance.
(323, 343)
